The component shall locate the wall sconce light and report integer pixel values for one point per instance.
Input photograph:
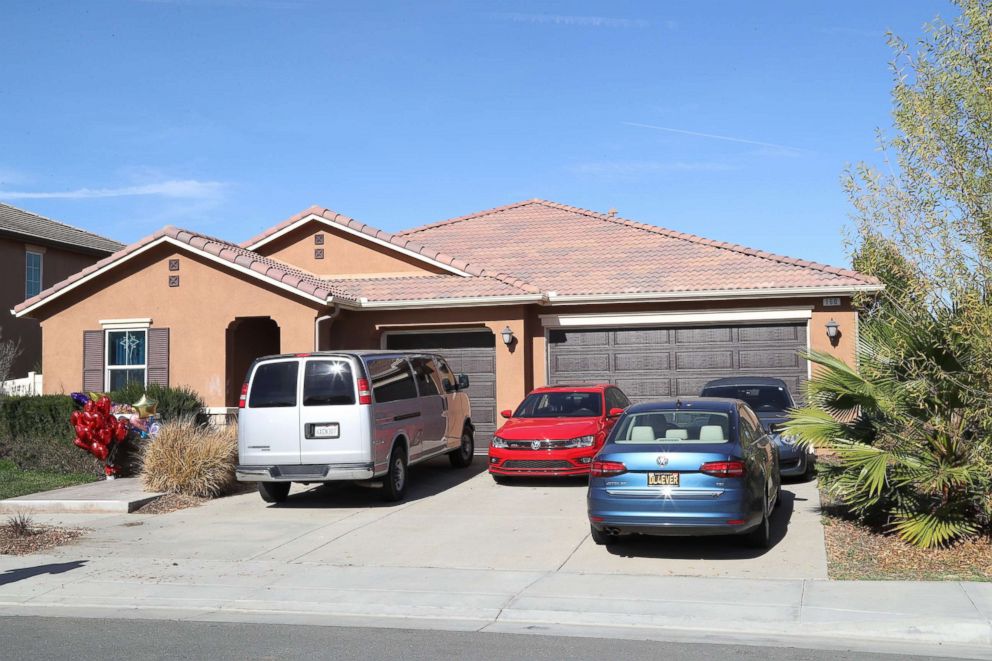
(507, 334)
(833, 330)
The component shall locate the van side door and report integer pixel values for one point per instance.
(432, 403)
(334, 428)
(455, 408)
(397, 407)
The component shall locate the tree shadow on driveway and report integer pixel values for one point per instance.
(724, 547)
(430, 478)
(14, 575)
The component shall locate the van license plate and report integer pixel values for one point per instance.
(329, 430)
(663, 479)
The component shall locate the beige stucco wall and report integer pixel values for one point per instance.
(197, 313)
(344, 254)
(57, 264)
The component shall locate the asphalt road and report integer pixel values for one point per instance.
(38, 638)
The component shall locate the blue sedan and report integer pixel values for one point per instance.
(691, 466)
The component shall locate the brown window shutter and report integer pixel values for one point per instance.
(93, 361)
(158, 356)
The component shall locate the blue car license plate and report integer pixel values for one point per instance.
(663, 479)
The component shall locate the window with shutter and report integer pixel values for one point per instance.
(158, 356)
(93, 360)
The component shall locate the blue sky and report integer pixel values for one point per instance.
(730, 120)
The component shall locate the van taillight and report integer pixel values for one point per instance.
(244, 395)
(723, 468)
(364, 394)
(602, 468)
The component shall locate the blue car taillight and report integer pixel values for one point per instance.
(723, 468)
(602, 468)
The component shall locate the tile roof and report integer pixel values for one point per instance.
(30, 225)
(547, 247)
(573, 251)
(394, 239)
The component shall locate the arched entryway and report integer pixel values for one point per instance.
(247, 339)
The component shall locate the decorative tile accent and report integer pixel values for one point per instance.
(173, 280)
(318, 239)
(173, 264)
(318, 253)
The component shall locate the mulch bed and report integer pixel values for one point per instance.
(858, 552)
(170, 502)
(38, 538)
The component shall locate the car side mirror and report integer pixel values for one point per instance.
(615, 413)
(506, 414)
(463, 381)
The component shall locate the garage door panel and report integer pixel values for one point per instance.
(633, 362)
(704, 360)
(652, 363)
(714, 335)
(773, 334)
(650, 337)
(769, 359)
(583, 362)
(645, 389)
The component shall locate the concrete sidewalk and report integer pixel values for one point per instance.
(953, 619)
(464, 553)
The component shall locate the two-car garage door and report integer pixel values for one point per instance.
(651, 363)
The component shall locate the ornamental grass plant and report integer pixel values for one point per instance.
(191, 459)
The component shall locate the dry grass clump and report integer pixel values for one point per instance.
(20, 525)
(20, 536)
(190, 459)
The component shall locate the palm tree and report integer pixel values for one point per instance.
(909, 427)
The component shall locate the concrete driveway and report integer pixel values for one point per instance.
(452, 519)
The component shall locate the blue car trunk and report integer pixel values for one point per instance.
(663, 485)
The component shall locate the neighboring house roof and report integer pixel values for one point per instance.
(526, 252)
(572, 252)
(33, 227)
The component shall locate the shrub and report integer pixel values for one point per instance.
(191, 459)
(173, 403)
(36, 435)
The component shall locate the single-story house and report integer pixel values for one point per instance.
(516, 297)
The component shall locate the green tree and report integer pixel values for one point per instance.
(911, 427)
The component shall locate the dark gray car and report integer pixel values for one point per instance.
(771, 400)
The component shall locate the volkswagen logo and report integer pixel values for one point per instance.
(535, 445)
(662, 460)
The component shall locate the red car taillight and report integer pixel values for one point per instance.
(244, 395)
(723, 468)
(364, 394)
(602, 468)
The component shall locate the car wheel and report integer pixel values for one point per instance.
(761, 536)
(394, 483)
(810, 474)
(601, 537)
(778, 494)
(500, 479)
(274, 492)
(462, 457)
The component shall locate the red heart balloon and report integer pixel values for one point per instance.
(89, 406)
(80, 431)
(81, 443)
(104, 404)
(106, 435)
(102, 451)
(74, 418)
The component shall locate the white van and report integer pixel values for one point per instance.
(351, 415)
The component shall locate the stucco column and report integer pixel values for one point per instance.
(511, 364)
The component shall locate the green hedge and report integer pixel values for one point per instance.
(173, 403)
(35, 432)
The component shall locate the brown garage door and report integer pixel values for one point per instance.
(467, 352)
(652, 363)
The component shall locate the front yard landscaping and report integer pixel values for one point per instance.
(17, 482)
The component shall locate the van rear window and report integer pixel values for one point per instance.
(274, 385)
(328, 383)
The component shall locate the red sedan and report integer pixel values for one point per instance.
(556, 431)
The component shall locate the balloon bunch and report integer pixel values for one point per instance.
(97, 430)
